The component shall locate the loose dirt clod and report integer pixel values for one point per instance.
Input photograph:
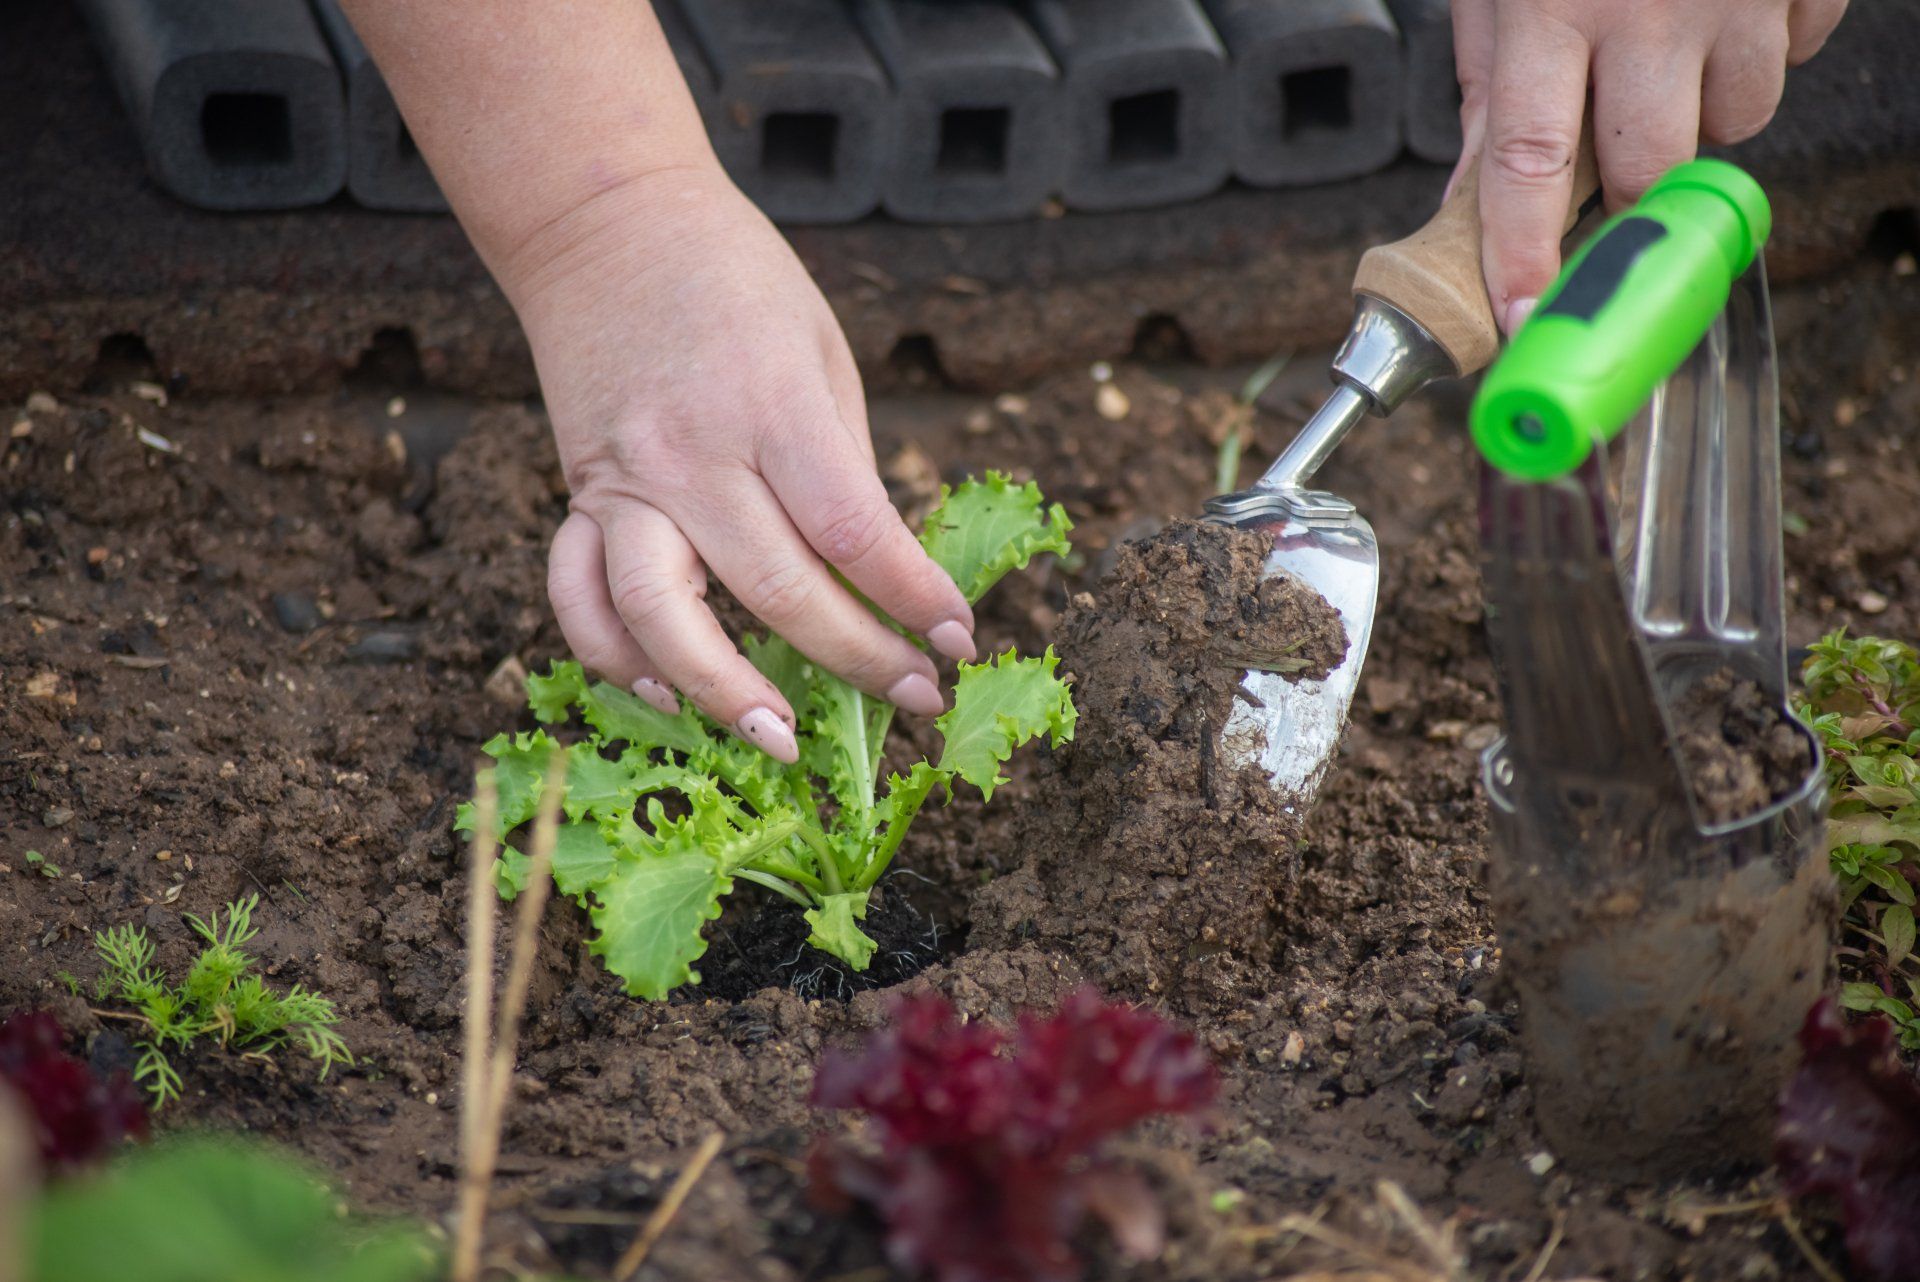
(1740, 752)
(1159, 859)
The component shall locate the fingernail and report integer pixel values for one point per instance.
(1517, 312)
(770, 734)
(953, 639)
(917, 695)
(657, 696)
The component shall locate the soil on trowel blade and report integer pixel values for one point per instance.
(1741, 753)
(1155, 859)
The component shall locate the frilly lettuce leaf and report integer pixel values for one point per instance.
(984, 529)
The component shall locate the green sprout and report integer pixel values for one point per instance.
(221, 998)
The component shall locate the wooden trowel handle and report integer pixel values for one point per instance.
(1435, 275)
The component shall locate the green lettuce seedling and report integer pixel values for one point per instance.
(665, 815)
(1863, 699)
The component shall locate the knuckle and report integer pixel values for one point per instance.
(639, 597)
(852, 528)
(1531, 156)
(781, 594)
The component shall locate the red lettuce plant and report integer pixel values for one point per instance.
(988, 1163)
(76, 1115)
(1850, 1128)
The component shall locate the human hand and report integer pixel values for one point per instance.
(709, 417)
(1665, 75)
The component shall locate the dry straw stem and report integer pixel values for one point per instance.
(486, 1075)
(656, 1226)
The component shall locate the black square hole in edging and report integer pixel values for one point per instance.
(1316, 101)
(1143, 127)
(799, 144)
(244, 129)
(973, 140)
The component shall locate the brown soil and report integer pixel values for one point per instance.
(1151, 859)
(272, 655)
(1740, 752)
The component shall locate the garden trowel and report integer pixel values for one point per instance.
(1420, 313)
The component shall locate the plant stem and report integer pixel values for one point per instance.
(916, 796)
(789, 872)
(773, 883)
(830, 871)
(1895, 725)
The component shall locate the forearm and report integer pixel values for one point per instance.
(530, 114)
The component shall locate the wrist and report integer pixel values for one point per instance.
(651, 202)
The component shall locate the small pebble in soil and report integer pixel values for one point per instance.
(296, 611)
(384, 647)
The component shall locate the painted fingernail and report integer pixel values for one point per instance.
(770, 734)
(917, 695)
(657, 696)
(953, 639)
(1517, 312)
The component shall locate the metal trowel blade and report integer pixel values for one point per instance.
(1289, 726)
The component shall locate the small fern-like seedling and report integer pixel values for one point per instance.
(221, 998)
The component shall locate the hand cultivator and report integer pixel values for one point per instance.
(1666, 930)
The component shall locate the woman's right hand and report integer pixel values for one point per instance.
(710, 418)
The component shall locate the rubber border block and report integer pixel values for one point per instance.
(804, 115)
(1150, 100)
(977, 131)
(1433, 89)
(384, 169)
(1318, 88)
(237, 106)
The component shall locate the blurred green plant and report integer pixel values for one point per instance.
(1863, 699)
(213, 1210)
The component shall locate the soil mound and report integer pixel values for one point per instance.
(1151, 859)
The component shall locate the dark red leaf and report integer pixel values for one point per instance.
(76, 1115)
(1850, 1128)
(988, 1163)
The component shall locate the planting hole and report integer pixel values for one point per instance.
(973, 140)
(915, 362)
(121, 359)
(1160, 337)
(799, 144)
(389, 361)
(241, 129)
(1143, 127)
(1319, 100)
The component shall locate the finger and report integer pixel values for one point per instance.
(827, 485)
(1473, 67)
(755, 550)
(1535, 101)
(1740, 88)
(1809, 23)
(577, 589)
(1646, 112)
(657, 585)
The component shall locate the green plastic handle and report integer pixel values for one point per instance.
(1625, 313)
